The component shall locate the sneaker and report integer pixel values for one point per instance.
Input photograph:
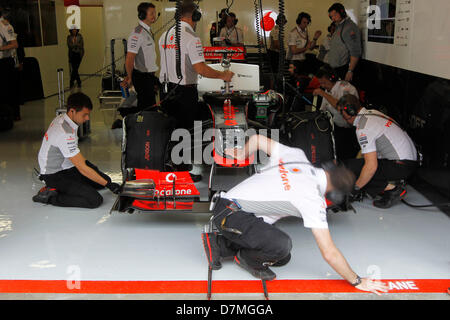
(196, 177)
(44, 195)
(212, 250)
(389, 198)
(264, 273)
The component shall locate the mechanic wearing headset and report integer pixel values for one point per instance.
(331, 90)
(288, 185)
(299, 41)
(389, 154)
(71, 180)
(140, 62)
(233, 35)
(183, 103)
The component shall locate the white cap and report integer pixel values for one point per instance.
(74, 27)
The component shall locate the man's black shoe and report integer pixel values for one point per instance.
(196, 177)
(44, 195)
(264, 273)
(389, 198)
(212, 250)
(283, 261)
(117, 124)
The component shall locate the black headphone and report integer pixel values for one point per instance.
(329, 72)
(302, 15)
(6, 13)
(350, 108)
(197, 14)
(142, 10)
(339, 8)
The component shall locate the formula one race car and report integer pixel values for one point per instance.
(152, 183)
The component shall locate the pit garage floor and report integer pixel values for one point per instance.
(55, 253)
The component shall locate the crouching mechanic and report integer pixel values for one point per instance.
(71, 180)
(390, 156)
(288, 185)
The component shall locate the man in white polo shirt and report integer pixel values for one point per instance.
(141, 58)
(331, 90)
(288, 185)
(71, 180)
(390, 156)
(181, 97)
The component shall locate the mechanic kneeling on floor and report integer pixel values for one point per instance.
(71, 180)
(390, 156)
(288, 185)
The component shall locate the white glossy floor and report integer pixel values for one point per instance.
(40, 242)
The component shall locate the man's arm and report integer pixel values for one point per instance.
(80, 163)
(255, 143)
(13, 44)
(368, 170)
(208, 72)
(331, 100)
(129, 66)
(353, 63)
(337, 261)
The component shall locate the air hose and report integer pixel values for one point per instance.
(178, 39)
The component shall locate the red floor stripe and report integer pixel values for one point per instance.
(251, 286)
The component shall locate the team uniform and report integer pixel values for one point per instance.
(396, 153)
(345, 43)
(344, 133)
(254, 205)
(60, 143)
(183, 104)
(141, 42)
(300, 39)
(233, 35)
(7, 65)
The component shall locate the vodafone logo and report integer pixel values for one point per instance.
(267, 23)
(171, 177)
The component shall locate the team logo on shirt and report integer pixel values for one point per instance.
(295, 170)
(284, 176)
(363, 140)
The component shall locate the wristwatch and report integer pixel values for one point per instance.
(357, 281)
(351, 71)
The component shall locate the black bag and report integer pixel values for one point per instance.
(6, 117)
(313, 133)
(146, 140)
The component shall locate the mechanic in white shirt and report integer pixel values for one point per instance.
(390, 156)
(71, 180)
(245, 215)
(140, 62)
(331, 90)
(180, 99)
(234, 36)
(299, 41)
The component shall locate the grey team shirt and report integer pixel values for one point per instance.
(141, 43)
(344, 43)
(376, 132)
(60, 143)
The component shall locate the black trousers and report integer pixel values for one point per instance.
(8, 84)
(144, 84)
(75, 62)
(74, 189)
(259, 242)
(387, 171)
(182, 105)
(347, 145)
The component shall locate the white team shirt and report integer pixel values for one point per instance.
(235, 35)
(377, 132)
(299, 38)
(142, 43)
(288, 190)
(191, 53)
(60, 143)
(6, 35)
(340, 89)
